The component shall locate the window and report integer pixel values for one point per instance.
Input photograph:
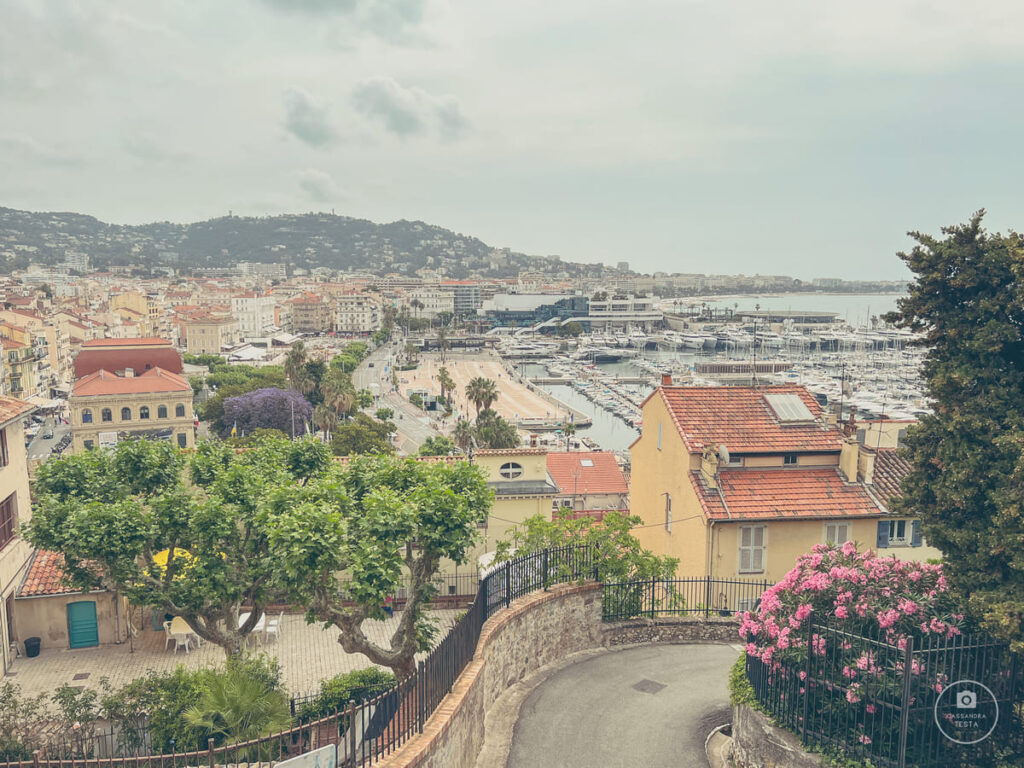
(179, 410)
(734, 461)
(88, 444)
(126, 414)
(511, 470)
(106, 415)
(5, 458)
(897, 533)
(144, 412)
(182, 440)
(789, 459)
(668, 512)
(659, 435)
(161, 411)
(8, 519)
(837, 533)
(86, 416)
(752, 549)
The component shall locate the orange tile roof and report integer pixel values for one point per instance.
(572, 476)
(741, 419)
(890, 469)
(768, 494)
(12, 408)
(45, 576)
(104, 382)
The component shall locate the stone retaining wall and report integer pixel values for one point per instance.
(534, 631)
(758, 743)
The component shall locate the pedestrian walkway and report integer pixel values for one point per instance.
(307, 653)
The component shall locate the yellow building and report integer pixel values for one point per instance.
(15, 509)
(20, 369)
(107, 408)
(135, 307)
(740, 481)
(210, 334)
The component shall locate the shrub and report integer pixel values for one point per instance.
(335, 694)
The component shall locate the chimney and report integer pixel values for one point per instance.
(709, 466)
(666, 379)
(866, 465)
(849, 459)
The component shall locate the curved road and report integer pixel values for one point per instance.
(651, 706)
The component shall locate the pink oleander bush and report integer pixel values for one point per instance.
(839, 623)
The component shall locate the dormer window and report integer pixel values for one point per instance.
(789, 460)
(510, 470)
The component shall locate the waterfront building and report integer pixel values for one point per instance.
(622, 311)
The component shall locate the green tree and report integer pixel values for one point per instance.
(324, 418)
(967, 301)
(338, 392)
(482, 393)
(295, 369)
(438, 445)
(193, 544)
(492, 431)
(618, 555)
(446, 382)
(568, 431)
(572, 328)
(386, 524)
(463, 434)
(416, 399)
(236, 706)
(363, 435)
(364, 398)
(384, 414)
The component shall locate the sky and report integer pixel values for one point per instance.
(794, 137)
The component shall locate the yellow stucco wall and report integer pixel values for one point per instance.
(47, 618)
(14, 556)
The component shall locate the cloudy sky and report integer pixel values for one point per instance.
(798, 136)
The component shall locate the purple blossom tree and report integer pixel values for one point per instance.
(269, 408)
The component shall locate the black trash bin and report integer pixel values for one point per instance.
(32, 647)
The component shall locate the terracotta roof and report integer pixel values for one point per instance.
(741, 419)
(586, 472)
(106, 383)
(890, 469)
(119, 354)
(510, 452)
(783, 493)
(12, 408)
(45, 576)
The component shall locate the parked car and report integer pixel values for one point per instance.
(48, 434)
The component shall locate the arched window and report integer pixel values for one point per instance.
(161, 411)
(126, 414)
(144, 412)
(86, 416)
(179, 410)
(106, 414)
(182, 440)
(511, 470)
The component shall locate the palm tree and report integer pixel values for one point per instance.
(235, 706)
(417, 305)
(325, 418)
(463, 434)
(295, 369)
(482, 393)
(447, 383)
(338, 391)
(568, 430)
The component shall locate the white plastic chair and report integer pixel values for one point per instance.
(274, 627)
(168, 637)
(181, 641)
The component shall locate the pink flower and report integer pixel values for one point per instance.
(864, 739)
(887, 618)
(871, 709)
(849, 548)
(841, 612)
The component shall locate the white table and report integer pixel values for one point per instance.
(260, 627)
(180, 628)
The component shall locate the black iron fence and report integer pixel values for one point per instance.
(931, 702)
(680, 597)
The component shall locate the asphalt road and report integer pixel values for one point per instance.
(644, 707)
(40, 448)
(414, 426)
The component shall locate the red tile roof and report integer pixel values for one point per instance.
(12, 408)
(783, 493)
(45, 576)
(890, 469)
(107, 383)
(572, 476)
(741, 419)
(119, 354)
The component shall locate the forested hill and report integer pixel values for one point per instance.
(299, 240)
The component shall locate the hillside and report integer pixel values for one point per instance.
(300, 240)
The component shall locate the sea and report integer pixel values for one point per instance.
(613, 434)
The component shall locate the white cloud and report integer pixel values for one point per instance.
(408, 111)
(306, 120)
(318, 186)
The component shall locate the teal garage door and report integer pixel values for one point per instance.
(83, 630)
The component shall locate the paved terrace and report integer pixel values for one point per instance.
(307, 653)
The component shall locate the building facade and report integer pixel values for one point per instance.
(357, 313)
(254, 313)
(210, 334)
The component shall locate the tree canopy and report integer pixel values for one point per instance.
(968, 457)
(270, 408)
(187, 536)
(384, 523)
(363, 435)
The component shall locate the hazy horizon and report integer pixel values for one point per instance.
(795, 139)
